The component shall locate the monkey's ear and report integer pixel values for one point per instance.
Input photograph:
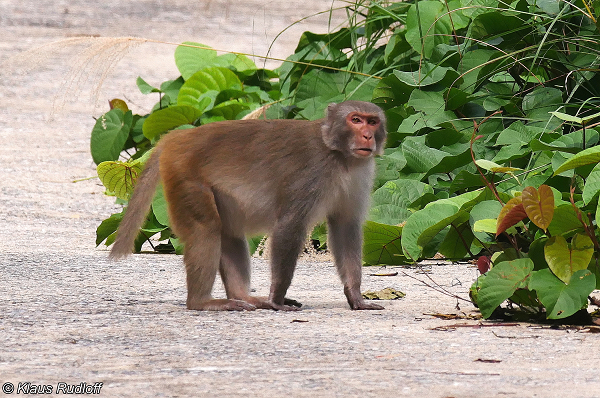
(329, 111)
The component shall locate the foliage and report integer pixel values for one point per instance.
(492, 108)
(492, 111)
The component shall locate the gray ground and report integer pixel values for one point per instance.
(68, 315)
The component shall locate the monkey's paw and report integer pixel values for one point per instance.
(363, 305)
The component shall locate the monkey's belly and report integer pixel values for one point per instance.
(253, 213)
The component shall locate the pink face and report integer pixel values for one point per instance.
(364, 126)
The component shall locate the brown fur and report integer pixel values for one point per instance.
(224, 180)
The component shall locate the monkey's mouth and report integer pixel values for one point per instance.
(363, 152)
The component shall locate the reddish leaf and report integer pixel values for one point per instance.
(512, 212)
(483, 264)
(539, 205)
(118, 104)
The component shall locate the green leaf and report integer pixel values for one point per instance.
(567, 118)
(564, 221)
(494, 167)
(119, 177)
(485, 211)
(319, 233)
(517, 132)
(587, 156)
(382, 244)
(423, 225)
(501, 282)
(144, 87)
(420, 157)
(110, 134)
(159, 206)
(228, 110)
(574, 119)
(204, 81)
(457, 242)
(168, 119)
(253, 243)
(426, 26)
(564, 259)
(391, 201)
(108, 227)
(428, 74)
(190, 60)
(239, 63)
(538, 104)
(562, 300)
(592, 185)
(487, 225)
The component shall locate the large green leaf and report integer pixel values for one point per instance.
(190, 60)
(564, 221)
(207, 80)
(382, 244)
(457, 242)
(110, 134)
(562, 300)
(432, 104)
(427, 25)
(119, 177)
(168, 119)
(564, 259)
(518, 132)
(420, 157)
(423, 225)
(501, 282)
(538, 104)
(474, 67)
(587, 156)
(391, 201)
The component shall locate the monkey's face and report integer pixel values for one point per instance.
(364, 129)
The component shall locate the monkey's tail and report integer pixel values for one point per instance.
(138, 207)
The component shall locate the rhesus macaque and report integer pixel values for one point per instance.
(227, 179)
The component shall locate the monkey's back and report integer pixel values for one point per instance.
(257, 169)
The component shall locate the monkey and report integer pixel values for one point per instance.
(225, 180)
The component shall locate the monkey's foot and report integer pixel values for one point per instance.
(363, 305)
(220, 305)
(266, 304)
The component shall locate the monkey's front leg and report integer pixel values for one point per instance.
(286, 243)
(345, 242)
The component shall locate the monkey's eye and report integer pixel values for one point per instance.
(373, 122)
(356, 120)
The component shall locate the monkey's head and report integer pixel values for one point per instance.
(355, 128)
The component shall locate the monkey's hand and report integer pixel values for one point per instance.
(267, 304)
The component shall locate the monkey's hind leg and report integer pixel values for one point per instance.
(235, 273)
(195, 219)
